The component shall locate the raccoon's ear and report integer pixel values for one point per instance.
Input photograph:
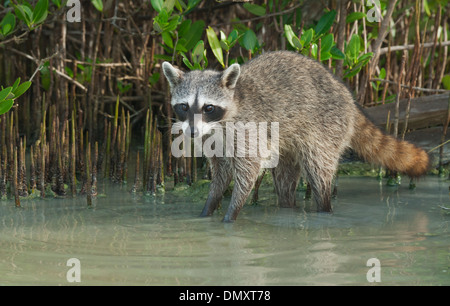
(231, 75)
(172, 74)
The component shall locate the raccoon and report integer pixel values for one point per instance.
(318, 120)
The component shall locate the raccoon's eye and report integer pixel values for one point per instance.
(208, 109)
(184, 107)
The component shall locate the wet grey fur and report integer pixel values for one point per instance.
(315, 110)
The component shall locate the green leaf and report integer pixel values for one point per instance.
(296, 43)
(314, 50)
(215, 45)
(123, 87)
(45, 75)
(224, 41)
(255, 9)
(191, 5)
(375, 86)
(173, 24)
(289, 33)
(187, 62)
(157, 5)
(365, 58)
(353, 46)
(127, 87)
(205, 60)
(6, 106)
(234, 35)
(167, 39)
(326, 43)
(446, 81)
(194, 34)
(5, 93)
(325, 23)
(224, 45)
(292, 38)
(24, 13)
(233, 38)
(119, 85)
(154, 78)
(426, 8)
(307, 37)
(324, 56)
(163, 57)
(184, 27)
(40, 12)
(197, 53)
(180, 5)
(249, 41)
(351, 72)
(223, 36)
(180, 45)
(8, 24)
(57, 3)
(163, 17)
(21, 89)
(69, 71)
(355, 16)
(382, 73)
(336, 53)
(98, 4)
(16, 84)
(362, 61)
(169, 4)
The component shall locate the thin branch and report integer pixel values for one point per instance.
(399, 92)
(382, 32)
(107, 65)
(16, 39)
(411, 47)
(437, 147)
(76, 83)
(38, 62)
(24, 55)
(409, 87)
(384, 27)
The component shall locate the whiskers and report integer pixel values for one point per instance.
(217, 125)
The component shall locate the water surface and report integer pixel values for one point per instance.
(136, 240)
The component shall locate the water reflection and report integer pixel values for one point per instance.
(161, 241)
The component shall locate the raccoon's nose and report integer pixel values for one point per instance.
(194, 132)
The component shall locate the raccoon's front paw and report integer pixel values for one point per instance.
(205, 214)
(228, 219)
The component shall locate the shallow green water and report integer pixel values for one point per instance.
(126, 240)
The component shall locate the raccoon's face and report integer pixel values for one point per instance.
(201, 99)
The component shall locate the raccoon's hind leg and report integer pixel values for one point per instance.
(320, 169)
(221, 175)
(286, 176)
